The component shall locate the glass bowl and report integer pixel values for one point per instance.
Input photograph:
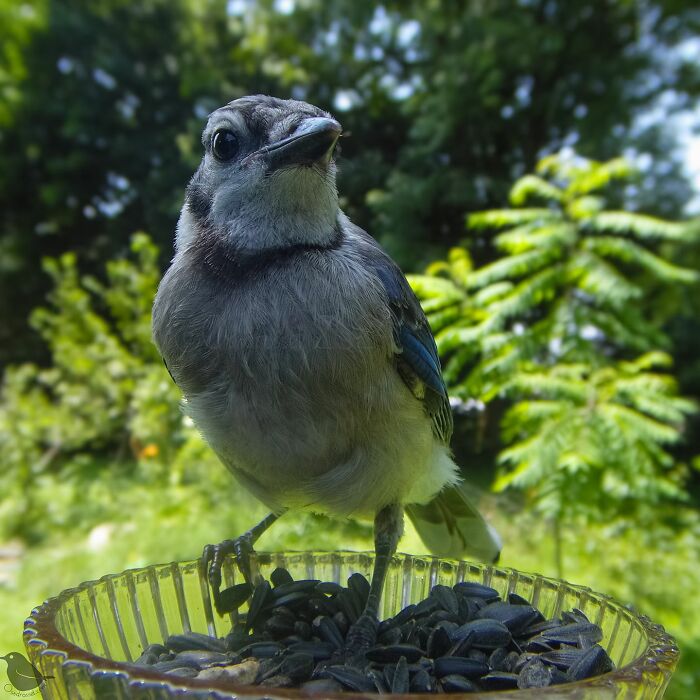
(87, 637)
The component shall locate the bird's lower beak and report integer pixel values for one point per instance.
(311, 144)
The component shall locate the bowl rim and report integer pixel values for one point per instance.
(42, 636)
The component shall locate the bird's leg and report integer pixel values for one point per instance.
(388, 528)
(214, 554)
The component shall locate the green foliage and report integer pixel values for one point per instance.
(560, 327)
(107, 395)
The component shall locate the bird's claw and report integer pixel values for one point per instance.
(213, 557)
(362, 635)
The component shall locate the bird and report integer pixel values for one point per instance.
(22, 673)
(303, 355)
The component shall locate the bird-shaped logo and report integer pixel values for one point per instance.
(22, 673)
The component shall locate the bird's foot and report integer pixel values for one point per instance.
(212, 560)
(361, 637)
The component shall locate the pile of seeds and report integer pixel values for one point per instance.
(457, 640)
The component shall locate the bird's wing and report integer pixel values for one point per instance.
(417, 358)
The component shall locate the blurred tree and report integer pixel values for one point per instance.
(446, 102)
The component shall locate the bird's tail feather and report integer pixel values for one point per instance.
(451, 526)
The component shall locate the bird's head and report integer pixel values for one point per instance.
(267, 177)
(12, 657)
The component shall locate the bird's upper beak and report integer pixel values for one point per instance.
(311, 143)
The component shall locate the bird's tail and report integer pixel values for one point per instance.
(451, 526)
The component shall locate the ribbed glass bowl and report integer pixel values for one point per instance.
(87, 636)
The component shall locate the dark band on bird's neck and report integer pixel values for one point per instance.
(229, 263)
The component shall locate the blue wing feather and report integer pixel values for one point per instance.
(417, 360)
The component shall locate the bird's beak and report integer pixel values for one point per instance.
(311, 144)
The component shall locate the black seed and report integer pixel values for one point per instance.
(441, 616)
(425, 607)
(350, 678)
(438, 643)
(573, 616)
(328, 631)
(515, 617)
(391, 636)
(347, 602)
(279, 626)
(477, 655)
(302, 629)
(202, 658)
(538, 645)
(573, 633)
(322, 606)
(540, 627)
(298, 667)
(280, 576)
(328, 588)
(404, 616)
(166, 666)
(394, 653)
(421, 683)
(359, 585)
(458, 684)
(497, 660)
(156, 649)
(461, 647)
(515, 599)
(190, 641)
(301, 586)
(469, 668)
(236, 638)
(261, 650)
(377, 677)
(146, 659)
(499, 680)
(232, 598)
(592, 662)
(261, 596)
(471, 589)
(487, 634)
(292, 600)
(446, 599)
(535, 675)
(562, 658)
(468, 608)
(320, 651)
(400, 684)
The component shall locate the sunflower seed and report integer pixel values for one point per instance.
(486, 634)
(350, 678)
(471, 589)
(592, 662)
(393, 653)
(360, 586)
(190, 641)
(469, 668)
(458, 684)
(446, 599)
(280, 576)
(499, 680)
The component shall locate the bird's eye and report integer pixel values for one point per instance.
(224, 145)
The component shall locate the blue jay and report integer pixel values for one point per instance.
(303, 355)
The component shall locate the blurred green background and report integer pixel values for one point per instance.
(535, 164)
